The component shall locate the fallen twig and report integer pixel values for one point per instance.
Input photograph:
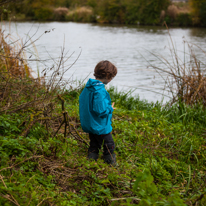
(26, 131)
(44, 200)
(124, 198)
(20, 162)
(66, 119)
(79, 135)
(14, 200)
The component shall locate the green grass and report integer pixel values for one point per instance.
(161, 154)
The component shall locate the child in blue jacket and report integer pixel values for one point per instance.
(95, 110)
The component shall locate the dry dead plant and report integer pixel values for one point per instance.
(10, 61)
(34, 96)
(183, 7)
(82, 13)
(185, 78)
(172, 11)
(60, 13)
(162, 14)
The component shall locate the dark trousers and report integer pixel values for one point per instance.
(96, 142)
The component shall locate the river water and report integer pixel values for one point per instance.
(131, 48)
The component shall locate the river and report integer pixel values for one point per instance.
(131, 48)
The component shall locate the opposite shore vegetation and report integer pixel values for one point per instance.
(141, 12)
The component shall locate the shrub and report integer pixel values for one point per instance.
(203, 14)
(60, 13)
(145, 12)
(198, 11)
(43, 13)
(12, 64)
(111, 11)
(80, 14)
(186, 80)
(184, 19)
(162, 14)
(172, 11)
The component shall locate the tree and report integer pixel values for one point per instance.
(145, 11)
(198, 11)
(4, 4)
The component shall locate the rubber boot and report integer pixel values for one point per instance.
(110, 159)
(93, 156)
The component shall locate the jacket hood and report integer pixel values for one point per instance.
(94, 85)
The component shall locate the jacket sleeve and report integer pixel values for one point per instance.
(100, 105)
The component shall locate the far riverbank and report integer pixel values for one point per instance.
(179, 14)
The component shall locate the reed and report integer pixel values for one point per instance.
(60, 13)
(185, 77)
(172, 11)
(80, 14)
(12, 62)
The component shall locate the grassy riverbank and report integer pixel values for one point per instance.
(161, 153)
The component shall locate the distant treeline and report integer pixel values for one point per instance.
(144, 12)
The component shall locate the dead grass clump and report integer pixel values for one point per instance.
(189, 78)
(193, 88)
(60, 13)
(183, 7)
(172, 11)
(12, 62)
(184, 78)
(80, 14)
(162, 14)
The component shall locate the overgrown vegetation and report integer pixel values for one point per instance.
(184, 77)
(144, 12)
(178, 14)
(161, 150)
(161, 157)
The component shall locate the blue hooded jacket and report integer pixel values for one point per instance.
(95, 108)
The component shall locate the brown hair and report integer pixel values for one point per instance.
(105, 70)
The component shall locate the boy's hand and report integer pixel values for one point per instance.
(113, 105)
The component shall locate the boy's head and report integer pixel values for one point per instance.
(105, 70)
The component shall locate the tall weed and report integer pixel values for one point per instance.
(184, 77)
(80, 14)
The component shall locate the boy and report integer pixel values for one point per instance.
(96, 112)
